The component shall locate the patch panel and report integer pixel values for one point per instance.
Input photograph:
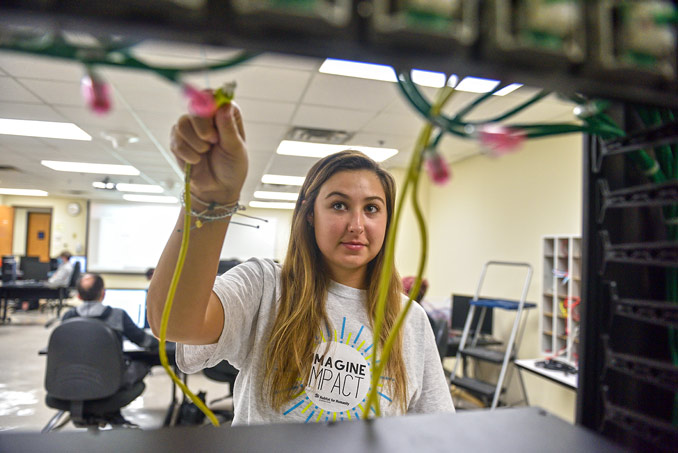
(632, 36)
(447, 25)
(539, 32)
(618, 49)
(319, 17)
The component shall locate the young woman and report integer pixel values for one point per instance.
(300, 334)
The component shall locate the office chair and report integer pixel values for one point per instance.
(223, 372)
(84, 376)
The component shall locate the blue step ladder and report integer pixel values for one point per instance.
(504, 358)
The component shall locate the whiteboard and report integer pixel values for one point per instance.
(131, 237)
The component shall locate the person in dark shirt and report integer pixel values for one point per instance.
(91, 291)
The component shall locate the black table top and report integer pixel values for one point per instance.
(504, 430)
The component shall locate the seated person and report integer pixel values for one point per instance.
(408, 283)
(62, 276)
(91, 291)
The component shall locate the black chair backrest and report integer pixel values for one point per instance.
(222, 372)
(75, 276)
(442, 331)
(84, 361)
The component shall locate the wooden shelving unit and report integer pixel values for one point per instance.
(561, 297)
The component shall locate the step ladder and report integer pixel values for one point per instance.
(488, 391)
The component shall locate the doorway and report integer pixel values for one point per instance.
(6, 229)
(38, 235)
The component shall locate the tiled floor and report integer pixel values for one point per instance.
(22, 373)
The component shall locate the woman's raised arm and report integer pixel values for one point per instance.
(215, 147)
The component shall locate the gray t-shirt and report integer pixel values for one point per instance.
(339, 379)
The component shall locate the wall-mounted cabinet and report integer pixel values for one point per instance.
(561, 298)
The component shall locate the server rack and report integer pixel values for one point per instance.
(628, 376)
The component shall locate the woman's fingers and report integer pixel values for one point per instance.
(203, 127)
(190, 136)
(182, 149)
(230, 127)
(237, 115)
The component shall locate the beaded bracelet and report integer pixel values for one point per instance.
(219, 212)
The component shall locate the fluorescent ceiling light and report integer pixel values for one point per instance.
(289, 196)
(508, 89)
(83, 167)
(149, 198)
(143, 188)
(271, 205)
(306, 149)
(103, 185)
(477, 85)
(44, 129)
(25, 192)
(283, 180)
(357, 69)
(379, 72)
(428, 78)
(420, 77)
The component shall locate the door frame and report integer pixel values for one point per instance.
(39, 210)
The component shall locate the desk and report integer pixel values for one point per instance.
(511, 430)
(135, 352)
(38, 290)
(559, 377)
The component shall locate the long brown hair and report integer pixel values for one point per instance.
(304, 281)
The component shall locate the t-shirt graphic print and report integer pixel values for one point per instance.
(339, 381)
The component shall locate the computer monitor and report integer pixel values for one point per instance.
(27, 259)
(82, 260)
(225, 265)
(460, 307)
(133, 301)
(34, 270)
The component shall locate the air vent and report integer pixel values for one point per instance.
(75, 192)
(304, 134)
(9, 168)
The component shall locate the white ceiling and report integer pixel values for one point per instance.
(275, 93)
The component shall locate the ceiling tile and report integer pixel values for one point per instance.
(35, 67)
(290, 165)
(389, 123)
(36, 112)
(12, 91)
(400, 142)
(350, 92)
(331, 117)
(117, 119)
(264, 137)
(266, 112)
(53, 92)
(17, 142)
